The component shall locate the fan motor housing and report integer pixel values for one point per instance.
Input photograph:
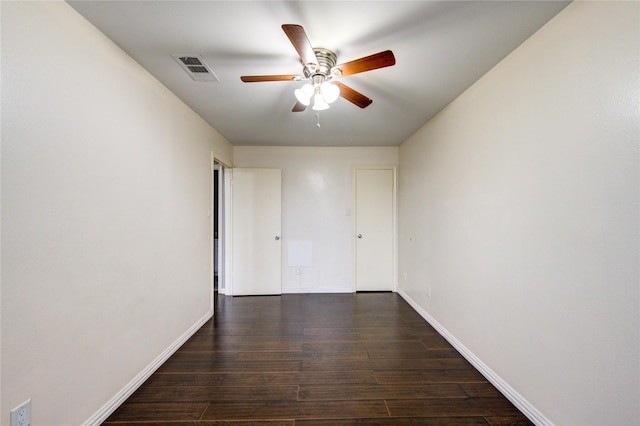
(326, 61)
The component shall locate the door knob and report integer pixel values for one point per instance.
(277, 237)
(359, 235)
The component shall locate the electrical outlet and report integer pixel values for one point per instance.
(428, 290)
(21, 415)
(404, 276)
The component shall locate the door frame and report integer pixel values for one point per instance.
(394, 227)
(223, 230)
(228, 228)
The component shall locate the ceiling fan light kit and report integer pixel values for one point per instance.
(320, 71)
(321, 91)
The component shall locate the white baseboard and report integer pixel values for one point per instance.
(516, 399)
(316, 290)
(103, 413)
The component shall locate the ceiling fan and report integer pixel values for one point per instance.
(320, 71)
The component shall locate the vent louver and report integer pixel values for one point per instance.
(195, 66)
(197, 69)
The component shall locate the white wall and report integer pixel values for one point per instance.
(518, 206)
(105, 233)
(316, 194)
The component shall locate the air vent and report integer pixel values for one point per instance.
(195, 66)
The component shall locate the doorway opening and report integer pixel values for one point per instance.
(218, 251)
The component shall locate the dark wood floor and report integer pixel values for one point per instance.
(339, 359)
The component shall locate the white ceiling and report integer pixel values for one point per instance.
(441, 48)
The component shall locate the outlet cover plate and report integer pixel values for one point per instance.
(21, 415)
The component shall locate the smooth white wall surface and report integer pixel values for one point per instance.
(317, 208)
(518, 206)
(106, 187)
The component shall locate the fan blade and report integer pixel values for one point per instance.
(259, 78)
(368, 63)
(353, 96)
(301, 43)
(299, 107)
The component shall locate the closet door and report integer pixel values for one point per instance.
(374, 229)
(256, 231)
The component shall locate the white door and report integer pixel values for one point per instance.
(256, 231)
(374, 229)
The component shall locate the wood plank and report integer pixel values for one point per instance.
(453, 363)
(379, 391)
(399, 333)
(335, 350)
(228, 365)
(412, 353)
(401, 421)
(269, 355)
(215, 393)
(206, 423)
(336, 364)
(518, 420)
(430, 376)
(382, 364)
(364, 334)
(210, 423)
(185, 379)
(294, 410)
(276, 329)
(301, 378)
(206, 344)
(451, 407)
(172, 411)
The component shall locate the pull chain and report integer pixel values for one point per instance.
(318, 119)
